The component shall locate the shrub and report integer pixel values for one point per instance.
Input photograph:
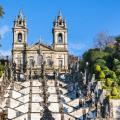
(97, 68)
(102, 75)
(1, 73)
(114, 91)
(108, 82)
(106, 71)
(104, 87)
(113, 75)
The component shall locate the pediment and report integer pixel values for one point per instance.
(38, 46)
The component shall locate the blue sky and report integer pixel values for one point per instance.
(85, 19)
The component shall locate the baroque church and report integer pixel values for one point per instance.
(50, 98)
(42, 97)
(54, 57)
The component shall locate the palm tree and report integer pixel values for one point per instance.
(1, 15)
(1, 11)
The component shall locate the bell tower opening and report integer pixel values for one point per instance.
(19, 37)
(20, 22)
(60, 38)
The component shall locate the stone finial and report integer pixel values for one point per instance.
(20, 15)
(59, 13)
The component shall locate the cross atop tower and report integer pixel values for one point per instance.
(60, 22)
(20, 15)
(59, 13)
(20, 21)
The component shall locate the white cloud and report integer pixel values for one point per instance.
(5, 53)
(77, 46)
(3, 30)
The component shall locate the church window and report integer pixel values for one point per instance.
(60, 63)
(60, 23)
(31, 62)
(60, 38)
(49, 62)
(19, 37)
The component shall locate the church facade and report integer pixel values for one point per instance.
(26, 57)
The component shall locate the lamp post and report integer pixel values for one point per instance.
(25, 70)
(6, 68)
(19, 70)
(54, 73)
(30, 72)
(14, 70)
(43, 69)
(86, 73)
(84, 110)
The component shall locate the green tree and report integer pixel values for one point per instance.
(1, 69)
(117, 52)
(1, 15)
(102, 40)
(101, 62)
(94, 54)
(1, 11)
(113, 75)
(116, 61)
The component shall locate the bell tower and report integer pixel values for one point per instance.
(19, 40)
(19, 32)
(60, 34)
